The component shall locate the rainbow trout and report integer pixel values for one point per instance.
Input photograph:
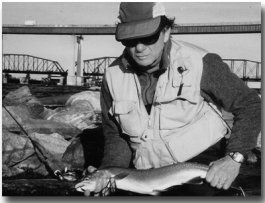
(148, 181)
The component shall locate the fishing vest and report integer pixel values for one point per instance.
(181, 123)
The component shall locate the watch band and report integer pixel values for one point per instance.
(237, 157)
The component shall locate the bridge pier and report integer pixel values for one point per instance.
(75, 76)
(71, 80)
(28, 77)
(4, 78)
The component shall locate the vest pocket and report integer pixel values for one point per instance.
(176, 114)
(127, 115)
(190, 141)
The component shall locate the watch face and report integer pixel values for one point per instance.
(236, 156)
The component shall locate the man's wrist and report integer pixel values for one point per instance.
(237, 157)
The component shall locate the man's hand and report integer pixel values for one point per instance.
(96, 182)
(223, 172)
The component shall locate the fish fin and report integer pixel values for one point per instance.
(120, 176)
(195, 181)
(159, 191)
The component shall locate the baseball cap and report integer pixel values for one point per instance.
(139, 19)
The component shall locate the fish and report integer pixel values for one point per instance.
(149, 181)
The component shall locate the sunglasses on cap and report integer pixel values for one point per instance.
(145, 40)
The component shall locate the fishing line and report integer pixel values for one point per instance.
(18, 162)
(35, 146)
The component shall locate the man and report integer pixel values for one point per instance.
(161, 101)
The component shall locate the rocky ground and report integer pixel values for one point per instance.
(35, 137)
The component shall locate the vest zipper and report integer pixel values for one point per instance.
(147, 88)
(149, 121)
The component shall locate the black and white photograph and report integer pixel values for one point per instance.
(131, 99)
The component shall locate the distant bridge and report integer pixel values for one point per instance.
(94, 69)
(247, 70)
(21, 63)
(206, 28)
(97, 66)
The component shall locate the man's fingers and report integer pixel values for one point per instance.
(222, 173)
(105, 191)
(91, 169)
(220, 184)
(227, 184)
(87, 193)
(97, 194)
(96, 184)
(214, 182)
(210, 175)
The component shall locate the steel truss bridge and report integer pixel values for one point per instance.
(247, 70)
(93, 69)
(21, 63)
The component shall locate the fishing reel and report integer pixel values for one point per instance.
(68, 175)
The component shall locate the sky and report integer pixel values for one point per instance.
(64, 48)
(106, 12)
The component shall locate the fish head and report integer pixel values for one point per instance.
(94, 181)
(88, 183)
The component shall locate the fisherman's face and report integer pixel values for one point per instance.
(147, 52)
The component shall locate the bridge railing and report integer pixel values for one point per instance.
(21, 63)
(245, 69)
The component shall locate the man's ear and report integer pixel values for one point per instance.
(167, 34)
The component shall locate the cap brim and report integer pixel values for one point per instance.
(132, 30)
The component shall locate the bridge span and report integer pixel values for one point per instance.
(93, 69)
(80, 30)
(206, 28)
(247, 70)
(22, 63)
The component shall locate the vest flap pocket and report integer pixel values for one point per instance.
(127, 115)
(122, 107)
(190, 141)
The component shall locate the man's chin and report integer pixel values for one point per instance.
(144, 63)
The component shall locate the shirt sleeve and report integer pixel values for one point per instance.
(116, 149)
(222, 87)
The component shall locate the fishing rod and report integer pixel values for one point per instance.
(44, 158)
(60, 175)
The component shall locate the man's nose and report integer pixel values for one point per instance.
(140, 47)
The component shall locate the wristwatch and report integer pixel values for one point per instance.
(237, 157)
